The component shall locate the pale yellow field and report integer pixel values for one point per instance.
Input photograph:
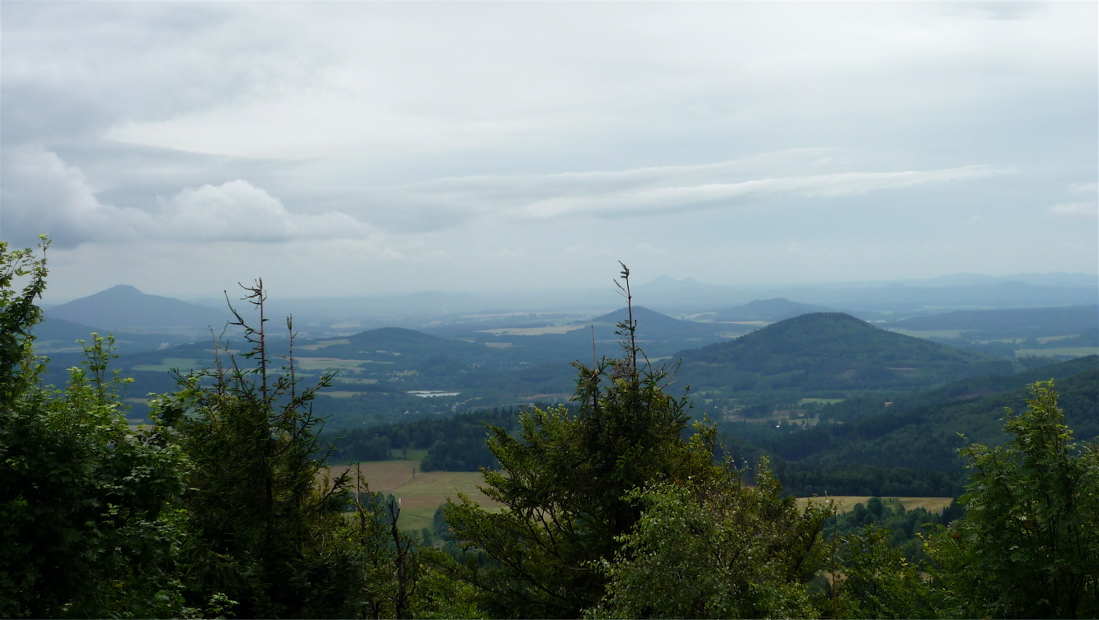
(170, 363)
(533, 331)
(846, 503)
(1068, 351)
(326, 363)
(823, 401)
(930, 333)
(420, 493)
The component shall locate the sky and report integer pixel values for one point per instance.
(378, 148)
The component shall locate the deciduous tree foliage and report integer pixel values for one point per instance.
(873, 579)
(84, 525)
(1028, 545)
(716, 549)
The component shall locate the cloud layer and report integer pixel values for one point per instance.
(650, 191)
(57, 199)
(410, 145)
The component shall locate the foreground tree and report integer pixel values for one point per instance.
(261, 528)
(1028, 545)
(564, 484)
(85, 529)
(873, 579)
(716, 549)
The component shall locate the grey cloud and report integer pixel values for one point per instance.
(44, 195)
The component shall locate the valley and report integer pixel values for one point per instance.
(840, 404)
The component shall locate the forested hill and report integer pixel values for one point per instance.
(830, 351)
(928, 437)
(413, 345)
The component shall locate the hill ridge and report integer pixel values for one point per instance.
(831, 350)
(125, 307)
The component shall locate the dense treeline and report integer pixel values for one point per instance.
(907, 528)
(454, 443)
(221, 508)
(808, 480)
(929, 436)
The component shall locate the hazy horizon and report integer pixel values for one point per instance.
(387, 148)
(661, 284)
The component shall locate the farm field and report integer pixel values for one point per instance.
(420, 492)
(929, 333)
(1063, 351)
(170, 363)
(846, 503)
(533, 331)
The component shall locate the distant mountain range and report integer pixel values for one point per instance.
(909, 297)
(124, 308)
(1037, 321)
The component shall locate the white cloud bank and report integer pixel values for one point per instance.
(1082, 210)
(1084, 205)
(660, 190)
(42, 194)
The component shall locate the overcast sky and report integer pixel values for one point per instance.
(350, 148)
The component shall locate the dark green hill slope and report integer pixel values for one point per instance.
(402, 347)
(830, 351)
(929, 437)
(965, 390)
(915, 442)
(54, 335)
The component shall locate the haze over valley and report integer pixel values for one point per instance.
(549, 309)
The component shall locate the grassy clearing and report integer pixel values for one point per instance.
(823, 401)
(1067, 351)
(341, 378)
(420, 493)
(1048, 339)
(533, 331)
(168, 363)
(930, 333)
(325, 363)
(322, 344)
(846, 503)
